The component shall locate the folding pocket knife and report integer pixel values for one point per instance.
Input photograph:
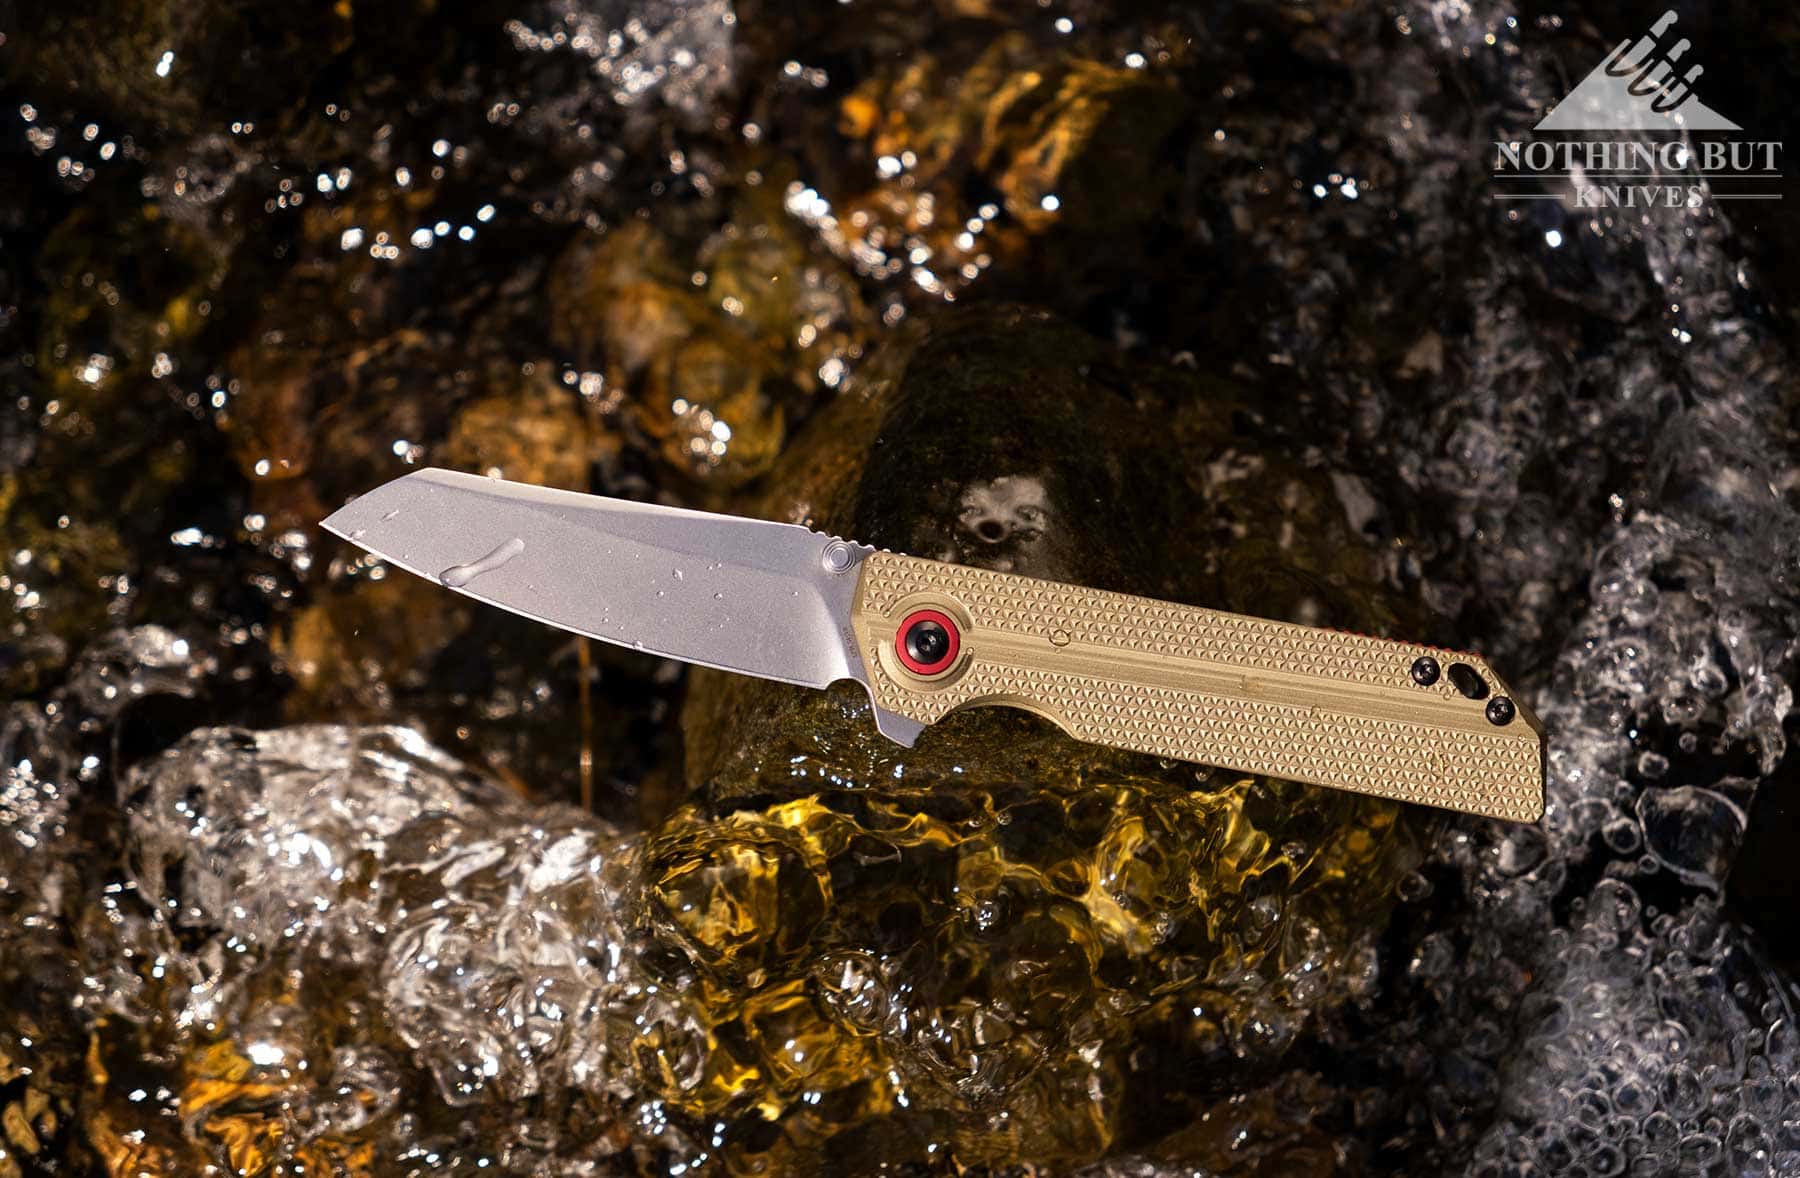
(1393, 719)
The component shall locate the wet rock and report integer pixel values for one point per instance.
(1007, 439)
(1069, 143)
(797, 299)
(692, 383)
(126, 286)
(178, 64)
(398, 624)
(1029, 966)
(538, 434)
(65, 584)
(1087, 139)
(705, 355)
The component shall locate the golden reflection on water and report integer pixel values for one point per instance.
(1003, 951)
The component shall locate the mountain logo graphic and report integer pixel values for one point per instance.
(1639, 88)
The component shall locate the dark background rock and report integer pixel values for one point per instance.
(1008, 439)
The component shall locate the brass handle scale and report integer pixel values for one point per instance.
(1319, 706)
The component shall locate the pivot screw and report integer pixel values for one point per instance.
(927, 642)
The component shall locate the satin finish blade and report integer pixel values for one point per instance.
(743, 595)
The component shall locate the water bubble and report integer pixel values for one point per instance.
(1682, 1093)
(1622, 835)
(1691, 831)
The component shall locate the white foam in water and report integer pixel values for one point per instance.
(486, 928)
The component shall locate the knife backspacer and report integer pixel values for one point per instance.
(1344, 710)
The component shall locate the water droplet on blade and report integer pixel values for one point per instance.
(458, 575)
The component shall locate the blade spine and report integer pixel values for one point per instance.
(662, 509)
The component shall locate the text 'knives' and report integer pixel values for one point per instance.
(1393, 719)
